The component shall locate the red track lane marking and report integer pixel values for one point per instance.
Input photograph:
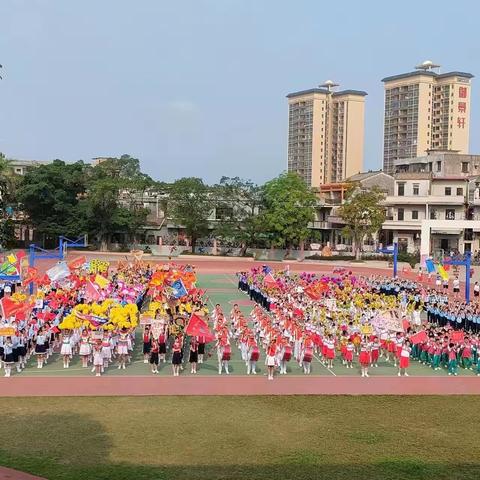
(238, 385)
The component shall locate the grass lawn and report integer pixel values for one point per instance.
(212, 438)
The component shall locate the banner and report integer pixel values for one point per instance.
(457, 337)
(91, 291)
(7, 331)
(101, 281)
(77, 263)
(419, 337)
(58, 272)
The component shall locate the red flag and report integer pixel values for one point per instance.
(9, 307)
(45, 280)
(91, 291)
(405, 324)
(457, 337)
(419, 337)
(197, 327)
(77, 263)
(269, 281)
(30, 276)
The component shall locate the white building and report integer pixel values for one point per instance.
(438, 188)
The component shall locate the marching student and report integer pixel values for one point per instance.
(270, 359)
(154, 356)
(224, 353)
(364, 357)
(66, 349)
(404, 359)
(147, 344)
(40, 348)
(122, 348)
(193, 357)
(8, 356)
(349, 349)
(98, 358)
(253, 356)
(85, 348)
(176, 356)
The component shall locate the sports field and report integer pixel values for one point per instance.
(222, 289)
(209, 438)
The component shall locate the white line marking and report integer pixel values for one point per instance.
(331, 371)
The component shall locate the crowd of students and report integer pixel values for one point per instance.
(347, 320)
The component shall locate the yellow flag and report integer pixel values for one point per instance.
(11, 258)
(102, 282)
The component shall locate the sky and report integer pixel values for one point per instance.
(197, 87)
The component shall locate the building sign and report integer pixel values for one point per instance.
(462, 92)
(462, 107)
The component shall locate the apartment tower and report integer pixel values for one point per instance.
(325, 133)
(425, 110)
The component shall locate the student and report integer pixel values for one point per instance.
(404, 359)
(154, 356)
(456, 287)
(193, 357)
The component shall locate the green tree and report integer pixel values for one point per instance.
(288, 208)
(190, 205)
(237, 203)
(113, 201)
(363, 215)
(49, 195)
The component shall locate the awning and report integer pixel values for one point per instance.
(446, 232)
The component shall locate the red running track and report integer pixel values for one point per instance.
(9, 474)
(238, 385)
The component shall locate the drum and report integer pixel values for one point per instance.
(308, 355)
(287, 354)
(227, 352)
(255, 355)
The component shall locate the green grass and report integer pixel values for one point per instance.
(213, 438)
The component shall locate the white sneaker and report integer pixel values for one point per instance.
(406, 374)
(399, 374)
(98, 375)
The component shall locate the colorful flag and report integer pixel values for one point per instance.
(441, 271)
(12, 258)
(178, 289)
(197, 327)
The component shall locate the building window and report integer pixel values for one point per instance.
(465, 167)
(401, 214)
(439, 166)
(449, 214)
(414, 214)
(448, 191)
(460, 191)
(416, 188)
(401, 189)
(433, 214)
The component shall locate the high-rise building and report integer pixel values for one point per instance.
(325, 133)
(425, 110)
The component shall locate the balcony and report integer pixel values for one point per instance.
(319, 225)
(391, 224)
(423, 200)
